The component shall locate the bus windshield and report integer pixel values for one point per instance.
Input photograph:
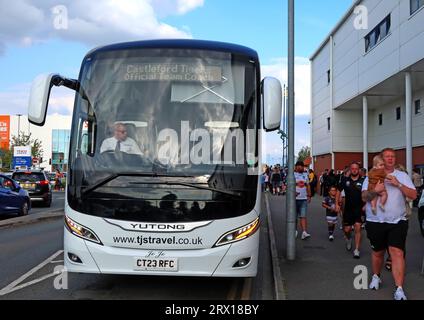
(165, 135)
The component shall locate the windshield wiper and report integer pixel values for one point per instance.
(192, 185)
(125, 174)
(153, 175)
(209, 89)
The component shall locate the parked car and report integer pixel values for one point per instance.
(13, 198)
(36, 183)
(8, 174)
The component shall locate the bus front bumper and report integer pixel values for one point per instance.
(210, 262)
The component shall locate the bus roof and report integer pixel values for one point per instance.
(179, 44)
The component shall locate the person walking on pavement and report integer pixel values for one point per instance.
(389, 229)
(313, 181)
(322, 179)
(263, 181)
(303, 197)
(352, 215)
(331, 180)
(276, 181)
(421, 213)
(418, 183)
(329, 203)
(58, 180)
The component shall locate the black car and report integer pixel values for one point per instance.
(37, 184)
(13, 199)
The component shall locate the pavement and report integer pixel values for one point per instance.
(37, 213)
(32, 218)
(325, 270)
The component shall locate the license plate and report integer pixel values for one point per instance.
(28, 186)
(156, 264)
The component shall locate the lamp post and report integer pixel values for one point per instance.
(291, 184)
(19, 125)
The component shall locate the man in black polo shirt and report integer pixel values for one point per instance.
(353, 211)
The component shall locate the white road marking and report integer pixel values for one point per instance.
(32, 282)
(14, 285)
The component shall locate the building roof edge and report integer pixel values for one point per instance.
(334, 30)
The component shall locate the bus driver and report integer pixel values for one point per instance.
(120, 142)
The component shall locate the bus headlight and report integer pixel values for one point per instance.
(81, 231)
(238, 234)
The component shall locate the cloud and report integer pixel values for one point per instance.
(184, 6)
(14, 100)
(278, 69)
(271, 142)
(172, 7)
(93, 23)
(61, 101)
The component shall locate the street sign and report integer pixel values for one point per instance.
(22, 157)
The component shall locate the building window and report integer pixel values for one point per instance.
(415, 5)
(329, 124)
(60, 147)
(380, 119)
(398, 113)
(328, 77)
(378, 33)
(418, 105)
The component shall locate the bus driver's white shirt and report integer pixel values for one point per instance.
(128, 146)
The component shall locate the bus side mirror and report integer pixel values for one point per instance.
(272, 103)
(39, 98)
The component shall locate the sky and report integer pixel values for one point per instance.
(34, 39)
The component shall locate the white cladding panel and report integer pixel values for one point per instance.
(355, 72)
(393, 130)
(321, 138)
(347, 131)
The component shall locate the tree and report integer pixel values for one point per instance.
(25, 140)
(6, 158)
(304, 153)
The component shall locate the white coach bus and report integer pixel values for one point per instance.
(164, 158)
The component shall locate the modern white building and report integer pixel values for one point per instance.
(54, 136)
(367, 86)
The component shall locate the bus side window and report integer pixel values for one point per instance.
(84, 143)
(87, 133)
